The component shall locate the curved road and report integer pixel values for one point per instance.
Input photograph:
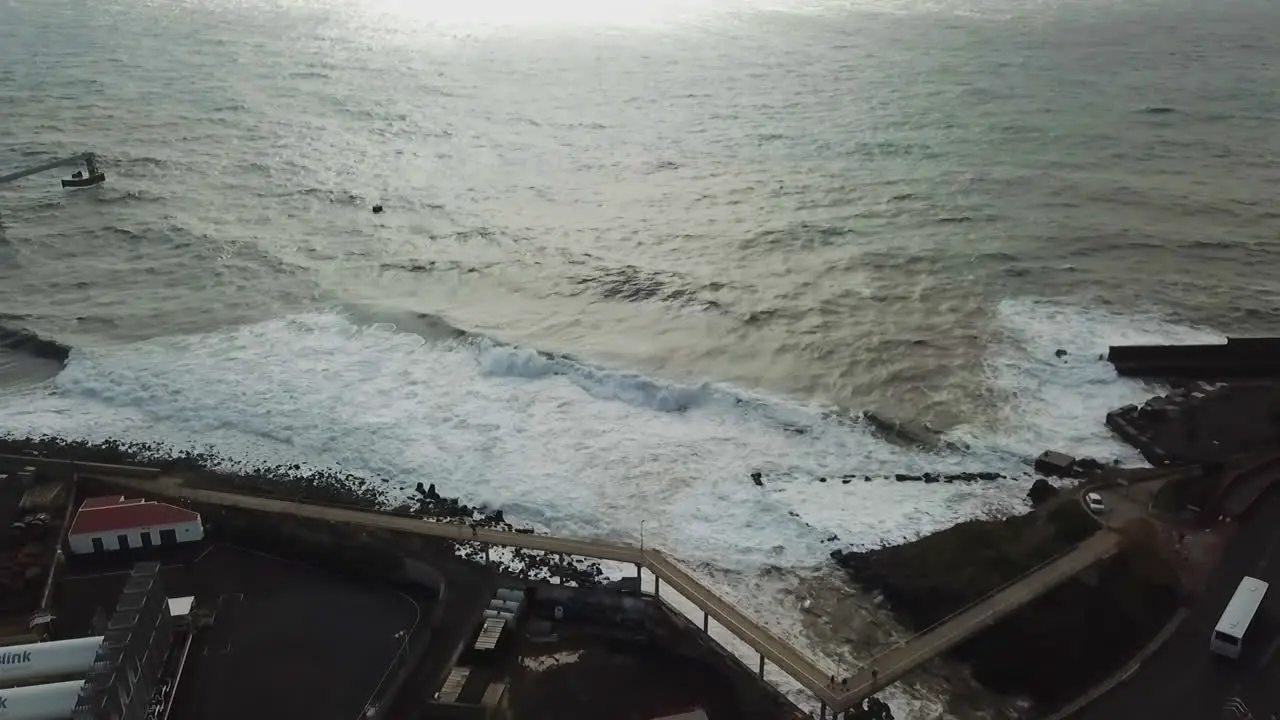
(1183, 680)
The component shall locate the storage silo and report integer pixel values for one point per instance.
(39, 661)
(54, 701)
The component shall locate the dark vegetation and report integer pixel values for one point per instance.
(1055, 647)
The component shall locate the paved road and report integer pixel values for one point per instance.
(1183, 680)
(895, 663)
(1247, 486)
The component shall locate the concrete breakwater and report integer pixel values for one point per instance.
(1236, 358)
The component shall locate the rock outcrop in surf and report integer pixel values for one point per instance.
(27, 358)
(25, 342)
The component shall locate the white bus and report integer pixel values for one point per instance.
(1229, 634)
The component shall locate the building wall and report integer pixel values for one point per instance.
(187, 532)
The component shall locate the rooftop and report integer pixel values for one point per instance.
(103, 514)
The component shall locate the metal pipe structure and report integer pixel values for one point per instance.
(89, 159)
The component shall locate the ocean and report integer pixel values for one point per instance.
(633, 252)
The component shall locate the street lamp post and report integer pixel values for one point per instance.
(640, 565)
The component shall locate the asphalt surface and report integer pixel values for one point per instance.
(800, 667)
(288, 641)
(1183, 680)
(792, 661)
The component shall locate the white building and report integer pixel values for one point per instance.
(47, 660)
(54, 701)
(114, 523)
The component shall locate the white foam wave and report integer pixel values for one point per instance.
(1048, 402)
(565, 446)
(631, 388)
(587, 451)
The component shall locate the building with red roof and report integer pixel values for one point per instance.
(116, 523)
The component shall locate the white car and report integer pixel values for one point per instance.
(1094, 501)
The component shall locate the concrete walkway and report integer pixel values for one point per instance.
(759, 638)
(888, 667)
(838, 696)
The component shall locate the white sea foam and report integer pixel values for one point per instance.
(1047, 402)
(586, 451)
(567, 447)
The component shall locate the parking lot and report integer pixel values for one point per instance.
(287, 640)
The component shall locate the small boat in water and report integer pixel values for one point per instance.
(79, 179)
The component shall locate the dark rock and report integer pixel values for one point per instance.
(1055, 464)
(758, 479)
(377, 209)
(902, 432)
(903, 477)
(872, 708)
(290, 482)
(1060, 353)
(930, 478)
(822, 479)
(846, 481)
(1041, 492)
(1088, 466)
(987, 476)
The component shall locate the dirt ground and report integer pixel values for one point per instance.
(587, 679)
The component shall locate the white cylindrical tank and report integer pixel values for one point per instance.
(54, 701)
(62, 658)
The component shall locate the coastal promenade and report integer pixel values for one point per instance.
(834, 693)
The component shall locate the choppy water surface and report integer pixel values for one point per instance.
(732, 225)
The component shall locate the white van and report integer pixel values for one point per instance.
(1228, 635)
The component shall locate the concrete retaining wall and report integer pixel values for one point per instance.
(419, 642)
(1237, 357)
(755, 697)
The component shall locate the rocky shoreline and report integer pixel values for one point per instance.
(293, 481)
(1049, 651)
